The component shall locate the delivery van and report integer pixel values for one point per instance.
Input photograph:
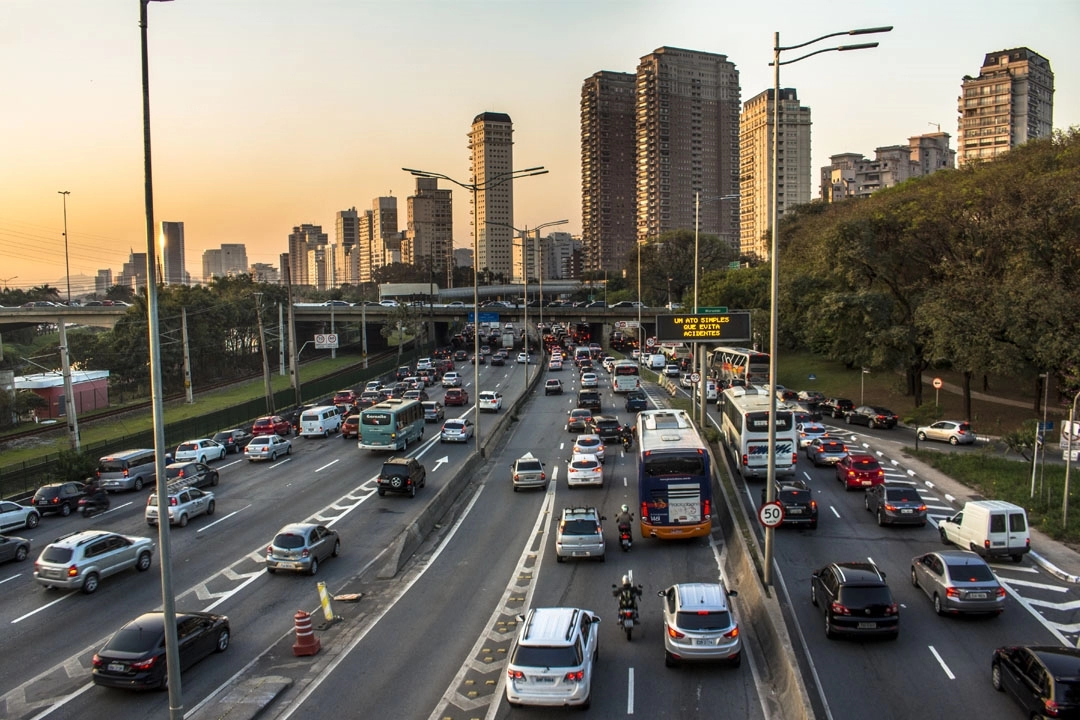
(320, 421)
(991, 528)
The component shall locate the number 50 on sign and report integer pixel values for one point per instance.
(771, 514)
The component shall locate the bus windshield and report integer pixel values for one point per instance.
(759, 421)
(370, 418)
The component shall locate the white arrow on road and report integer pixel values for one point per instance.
(440, 461)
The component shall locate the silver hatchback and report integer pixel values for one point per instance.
(699, 624)
(580, 534)
(300, 547)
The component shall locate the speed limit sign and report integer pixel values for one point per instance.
(771, 514)
(694, 377)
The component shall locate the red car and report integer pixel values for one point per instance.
(859, 471)
(455, 396)
(271, 425)
(345, 397)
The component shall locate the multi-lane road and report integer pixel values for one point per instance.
(432, 641)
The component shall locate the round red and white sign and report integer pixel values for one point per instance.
(771, 514)
(938, 383)
(695, 377)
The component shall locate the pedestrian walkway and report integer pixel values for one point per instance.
(955, 389)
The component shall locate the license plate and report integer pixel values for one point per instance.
(865, 482)
(906, 511)
(287, 565)
(116, 667)
(543, 680)
(977, 596)
(579, 553)
(704, 641)
(794, 511)
(867, 625)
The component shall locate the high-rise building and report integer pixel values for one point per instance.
(103, 281)
(463, 257)
(852, 175)
(211, 264)
(133, 274)
(687, 132)
(345, 256)
(385, 238)
(1009, 103)
(318, 271)
(608, 132)
(794, 170)
(172, 253)
(265, 273)
(234, 259)
(301, 239)
(491, 150)
(429, 233)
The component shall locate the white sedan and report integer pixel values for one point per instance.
(202, 450)
(590, 444)
(584, 470)
(590, 380)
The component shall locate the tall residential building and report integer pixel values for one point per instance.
(211, 264)
(319, 274)
(301, 239)
(234, 259)
(385, 238)
(756, 167)
(133, 274)
(608, 132)
(103, 281)
(687, 142)
(429, 232)
(172, 253)
(491, 150)
(852, 175)
(1009, 103)
(345, 256)
(563, 256)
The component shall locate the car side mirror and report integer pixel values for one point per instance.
(732, 593)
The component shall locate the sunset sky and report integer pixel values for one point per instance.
(267, 114)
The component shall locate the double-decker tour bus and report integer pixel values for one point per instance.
(674, 476)
(744, 426)
(391, 424)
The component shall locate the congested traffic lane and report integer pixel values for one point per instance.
(946, 658)
(216, 561)
(455, 625)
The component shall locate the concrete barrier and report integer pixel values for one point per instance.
(783, 688)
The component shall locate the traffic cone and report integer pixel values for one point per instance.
(306, 642)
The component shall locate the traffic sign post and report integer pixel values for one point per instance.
(695, 377)
(771, 514)
(937, 391)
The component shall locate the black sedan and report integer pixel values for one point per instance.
(135, 656)
(234, 440)
(872, 416)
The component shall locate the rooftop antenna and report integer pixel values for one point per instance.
(937, 125)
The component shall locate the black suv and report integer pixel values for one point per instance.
(836, 407)
(608, 428)
(1038, 678)
(60, 498)
(797, 500)
(589, 399)
(855, 600)
(402, 475)
(636, 400)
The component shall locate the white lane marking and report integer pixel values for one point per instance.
(1041, 586)
(35, 611)
(16, 575)
(941, 662)
(329, 464)
(222, 519)
(630, 691)
(834, 512)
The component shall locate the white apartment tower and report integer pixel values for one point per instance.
(491, 150)
(687, 127)
(794, 170)
(1009, 103)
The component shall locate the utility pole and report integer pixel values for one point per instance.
(281, 339)
(69, 394)
(265, 359)
(294, 362)
(187, 357)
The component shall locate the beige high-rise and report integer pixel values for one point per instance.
(491, 150)
(756, 166)
(1009, 103)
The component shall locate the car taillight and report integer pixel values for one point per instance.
(745, 460)
(893, 609)
(644, 511)
(96, 661)
(890, 508)
(73, 571)
(173, 502)
(1051, 708)
(543, 476)
(733, 633)
(839, 609)
(673, 633)
(144, 664)
(986, 543)
(952, 592)
(515, 674)
(305, 553)
(706, 508)
(795, 458)
(1001, 592)
(813, 504)
(575, 675)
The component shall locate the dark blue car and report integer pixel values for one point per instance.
(636, 400)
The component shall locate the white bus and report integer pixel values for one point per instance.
(625, 376)
(745, 431)
(739, 366)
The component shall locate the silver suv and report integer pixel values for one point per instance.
(185, 502)
(699, 624)
(551, 661)
(580, 534)
(80, 560)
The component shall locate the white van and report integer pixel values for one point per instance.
(321, 420)
(991, 528)
(657, 361)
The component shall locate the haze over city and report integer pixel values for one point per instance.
(266, 115)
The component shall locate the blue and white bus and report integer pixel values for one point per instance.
(674, 476)
(744, 426)
(391, 424)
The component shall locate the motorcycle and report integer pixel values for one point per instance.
(625, 538)
(628, 608)
(95, 505)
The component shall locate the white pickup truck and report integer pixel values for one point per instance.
(185, 502)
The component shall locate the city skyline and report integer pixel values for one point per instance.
(255, 134)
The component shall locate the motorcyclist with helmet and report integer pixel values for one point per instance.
(624, 519)
(627, 593)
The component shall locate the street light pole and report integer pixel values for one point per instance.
(774, 285)
(1068, 461)
(67, 263)
(172, 651)
(475, 187)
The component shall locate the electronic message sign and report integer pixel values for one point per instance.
(700, 327)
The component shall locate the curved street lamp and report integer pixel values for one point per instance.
(474, 188)
(770, 486)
